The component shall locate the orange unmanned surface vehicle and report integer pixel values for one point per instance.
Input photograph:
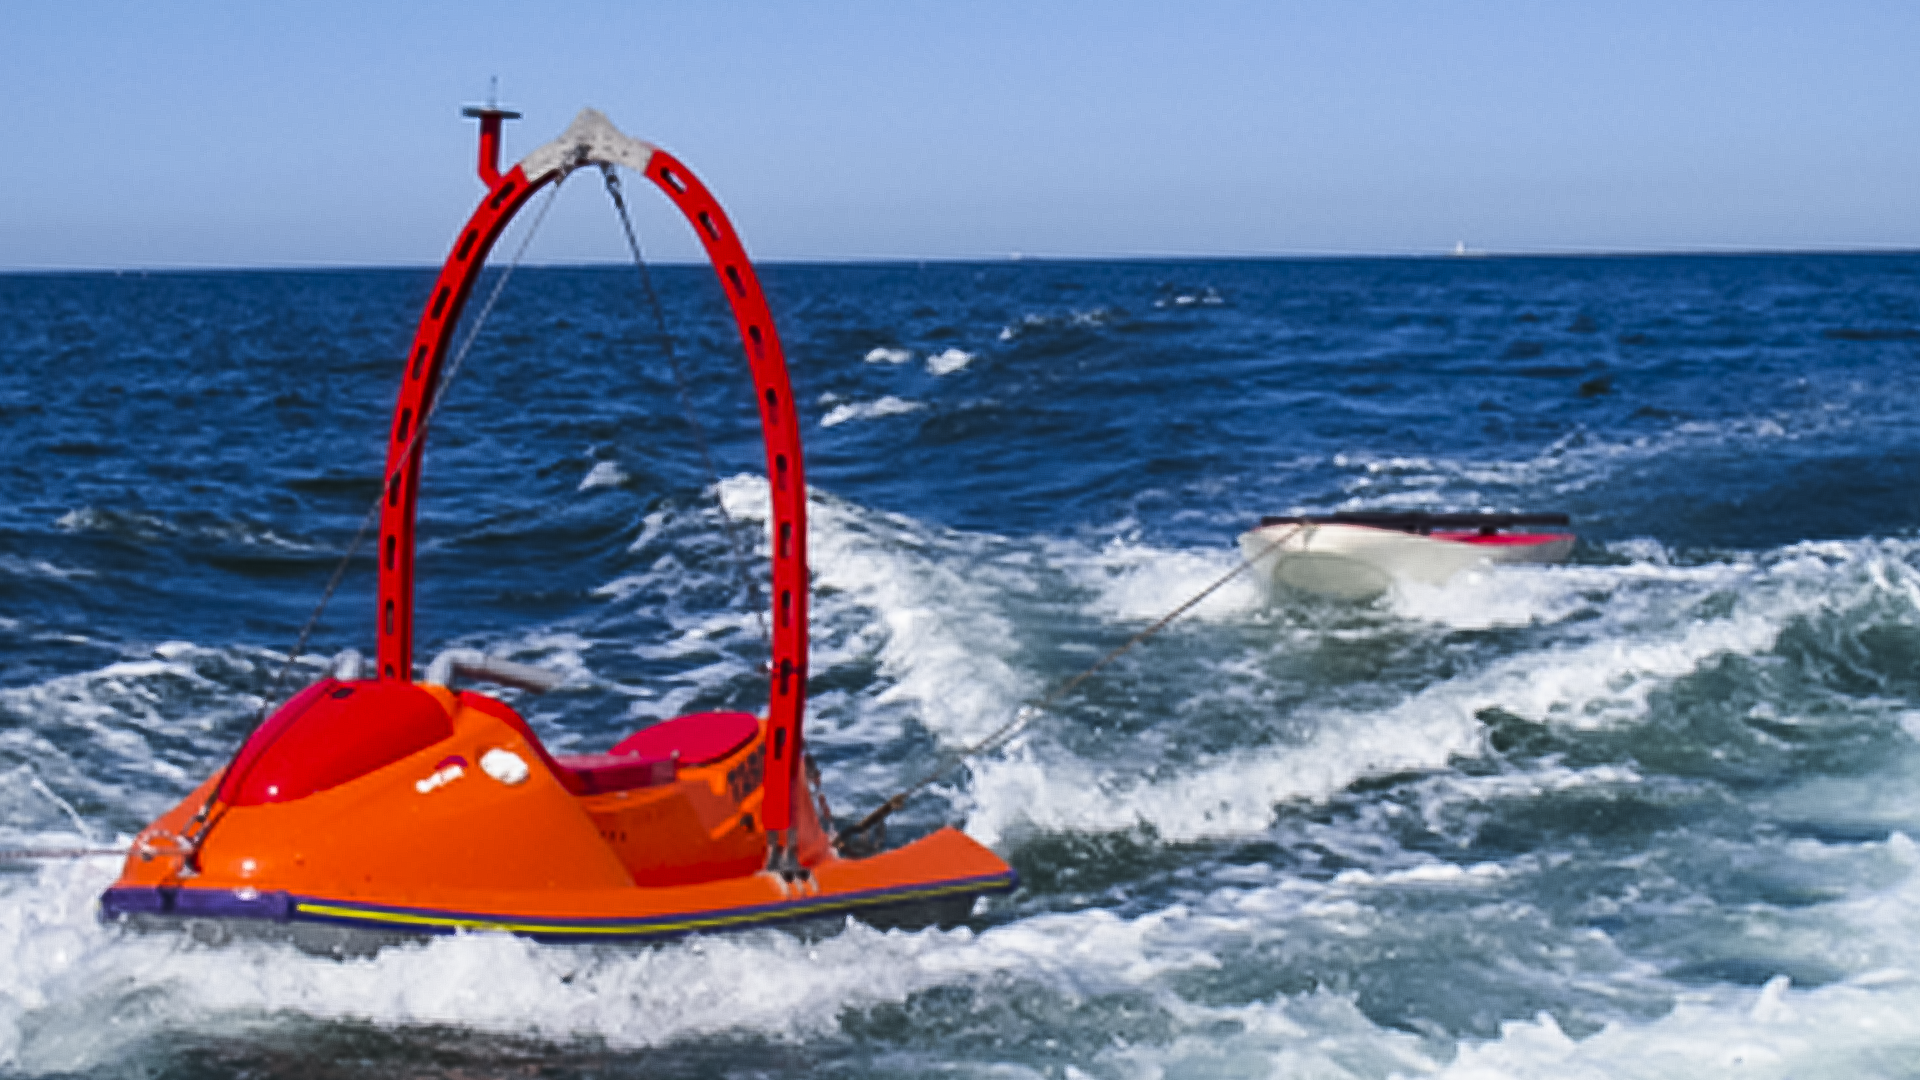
(397, 807)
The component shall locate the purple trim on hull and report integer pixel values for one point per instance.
(187, 903)
(178, 902)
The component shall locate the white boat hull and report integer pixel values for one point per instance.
(1357, 562)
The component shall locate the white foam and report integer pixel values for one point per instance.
(868, 410)
(1774, 1032)
(948, 362)
(1133, 581)
(923, 605)
(66, 972)
(14, 566)
(1493, 596)
(1207, 297)
(1857, 1026)
(1427, 873)
(940, 613)
(1604, 682)
(1224, 797)
(149, 527)
(1099, 316)
(885, 355)
(92, 519)
(603, 474)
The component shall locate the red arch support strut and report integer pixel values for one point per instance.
(592, 140)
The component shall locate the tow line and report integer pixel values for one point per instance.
(875, 822)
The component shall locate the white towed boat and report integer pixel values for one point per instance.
(1358, 555)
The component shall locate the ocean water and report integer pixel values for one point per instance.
(1649, 814)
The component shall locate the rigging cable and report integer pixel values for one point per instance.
(1028, 713)
(681, 384)
(193, 840)
(419, 432)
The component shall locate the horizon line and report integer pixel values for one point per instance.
(1012, 258)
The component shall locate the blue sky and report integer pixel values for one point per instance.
(181, 134)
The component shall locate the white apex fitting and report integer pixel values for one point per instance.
(590, 140)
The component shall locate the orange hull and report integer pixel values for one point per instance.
(431, 842)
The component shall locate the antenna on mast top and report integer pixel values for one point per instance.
(490, 115)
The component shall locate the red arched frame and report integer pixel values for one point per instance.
(591, 140)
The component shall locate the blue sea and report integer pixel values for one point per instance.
(1647, 814)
